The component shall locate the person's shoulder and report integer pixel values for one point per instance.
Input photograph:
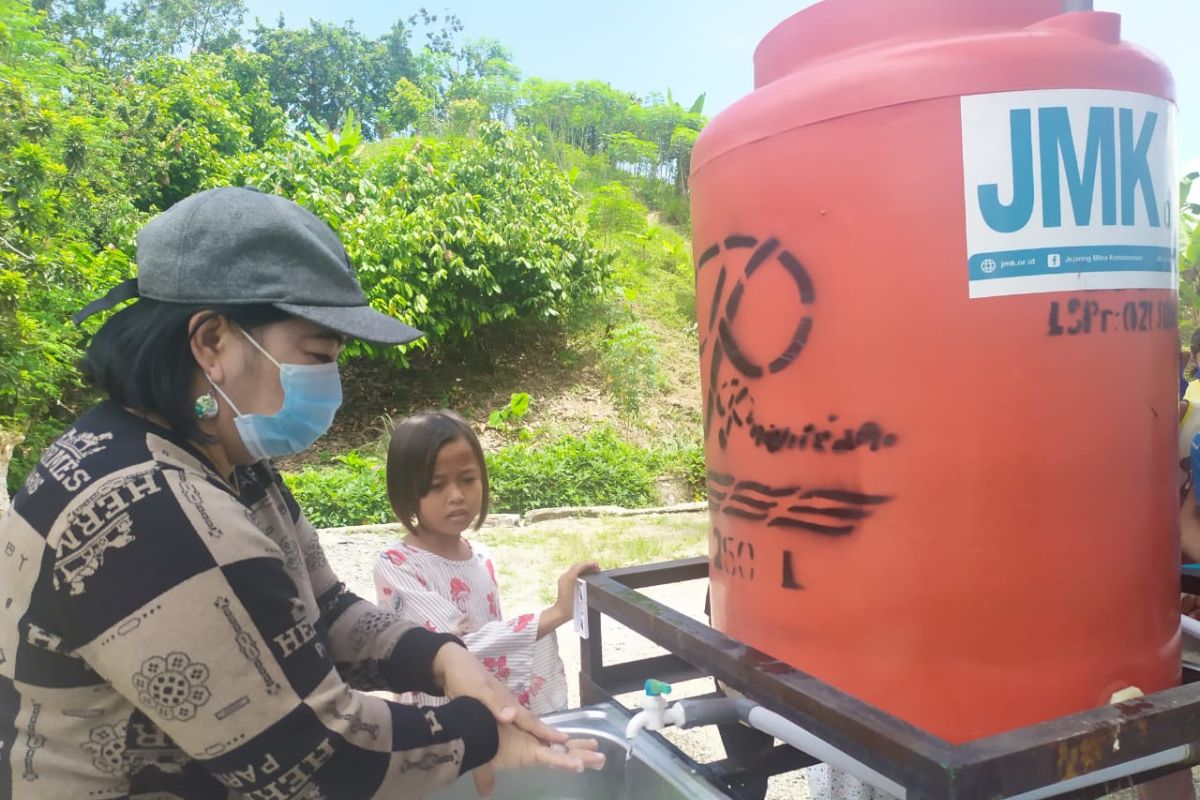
(400, 554)
(84, 459)
(480, 551)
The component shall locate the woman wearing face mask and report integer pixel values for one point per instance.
(169, 626)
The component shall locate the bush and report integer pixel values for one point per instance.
(631, 366)
(688, 462)
(191, 118)
(613, 211)
(450, 236)
(83, 158)
(596, 469)
(354, 492)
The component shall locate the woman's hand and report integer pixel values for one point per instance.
(519, 749)
(461, 675)
(524, 739)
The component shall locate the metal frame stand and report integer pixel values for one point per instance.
(1000, 766)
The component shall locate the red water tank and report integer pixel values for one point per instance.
(937, 311)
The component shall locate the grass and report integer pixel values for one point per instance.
(544, 551)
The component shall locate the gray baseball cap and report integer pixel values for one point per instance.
(240, 246)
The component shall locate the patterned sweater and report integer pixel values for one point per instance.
(163, 635)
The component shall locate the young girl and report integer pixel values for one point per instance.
(437, 485)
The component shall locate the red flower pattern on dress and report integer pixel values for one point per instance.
(525, 697)
(388, 591)
(429, 626)
(460, 593)
(493, 607)
(421, 580)
(492, 571)
(520, 623)
(498, 666)
(396, 557)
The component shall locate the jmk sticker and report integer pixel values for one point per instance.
(1068, 190)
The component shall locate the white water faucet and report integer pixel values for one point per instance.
(655, 714)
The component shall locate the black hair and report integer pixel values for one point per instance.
(1196, 342)
(142, 356)
(412, 456)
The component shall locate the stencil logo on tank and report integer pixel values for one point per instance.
(1068, 190)
(825, 509)
(718, 341)
(729, 400)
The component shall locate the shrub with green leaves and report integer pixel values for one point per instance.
(597, 469)
(614, 211)
(631, 366)
(64, 215)
(352, 492)
(508, 418)
(190, 118)
(450, 236)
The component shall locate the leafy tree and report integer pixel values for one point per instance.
(470, 84)
(408, 107)
(679, 151)
(638, 155)
(321, 72)
(65, 220)
(650, 139)
(581, 114)
(437, 39)
(145, 28)
(186, 121)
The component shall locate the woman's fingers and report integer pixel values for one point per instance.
(527, 721)
(576, 756)
(485, 780)
(583, 744)
(588, 751)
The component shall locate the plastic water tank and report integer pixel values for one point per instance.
(937, 312)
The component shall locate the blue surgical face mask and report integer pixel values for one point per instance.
(312, 394)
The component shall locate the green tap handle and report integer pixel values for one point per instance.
(655, 688)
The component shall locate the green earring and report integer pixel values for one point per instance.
(206, 406)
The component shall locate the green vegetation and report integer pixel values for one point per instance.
(1189, 255)
(598, 468)
(351, 492)
(476, 204)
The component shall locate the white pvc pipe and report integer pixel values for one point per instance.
(771, 723)
(1144, 764)
(1190, 626)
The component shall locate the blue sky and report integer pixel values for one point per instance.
(694, 46)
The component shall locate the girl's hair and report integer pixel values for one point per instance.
(412, 455)
(142, 356)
